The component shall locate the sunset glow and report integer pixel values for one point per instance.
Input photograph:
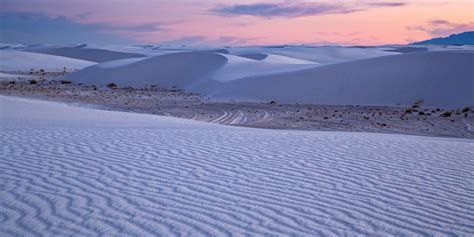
(233, 22)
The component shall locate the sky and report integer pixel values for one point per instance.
(232, 22)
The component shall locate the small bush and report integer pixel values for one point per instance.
(408, 111)
(33, 82)
(421, 113)
(112, 85)
(465, 110)
(419, 101)
(446, 114)
(273, 102)
(65, 82)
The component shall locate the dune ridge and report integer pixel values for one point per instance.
(14, 60)
(88, 54)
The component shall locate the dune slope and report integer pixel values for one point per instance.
(88, 54)
(78, 171)
(13, 60)
(324, 54)
(440, 78)
(178, 69)
(187, 70)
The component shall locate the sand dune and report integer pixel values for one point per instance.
(88, 54)
(274, 58)
(240, 67)
(77, 171)
(187, 70)
(323, 75)
(13, 60)
(443, 78)
(183, 70)
(327, 54)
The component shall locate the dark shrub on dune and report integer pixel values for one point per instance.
(446, 114)
(65, 82)
(112, 85)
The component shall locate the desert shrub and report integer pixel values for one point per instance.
(446, 114)
(465, 110)
(65, 82)
(421, 113)
(272, 102)
(408, 111)
(112, 85)
(419, 102)
(33, 82)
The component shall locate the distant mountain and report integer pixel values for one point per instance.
(461, 38)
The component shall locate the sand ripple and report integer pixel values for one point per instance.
(204, 179)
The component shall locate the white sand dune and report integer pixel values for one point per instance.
(441, 78)
(289, 74)
(14, 77)
(183, 70)
(324, 54)
(274, 58)
(187, 70)
(240, 67)
(77, 171)
(83, 53)
(142, 50)
(13, 60)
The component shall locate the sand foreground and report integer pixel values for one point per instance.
(69, 170)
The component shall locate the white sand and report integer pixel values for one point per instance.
(14, 60)
(442, 78)
(76, 171)
(83, 53)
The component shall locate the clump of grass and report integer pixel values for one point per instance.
(65, 82)
(446, 114)
(418, 103)
(112, 85)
